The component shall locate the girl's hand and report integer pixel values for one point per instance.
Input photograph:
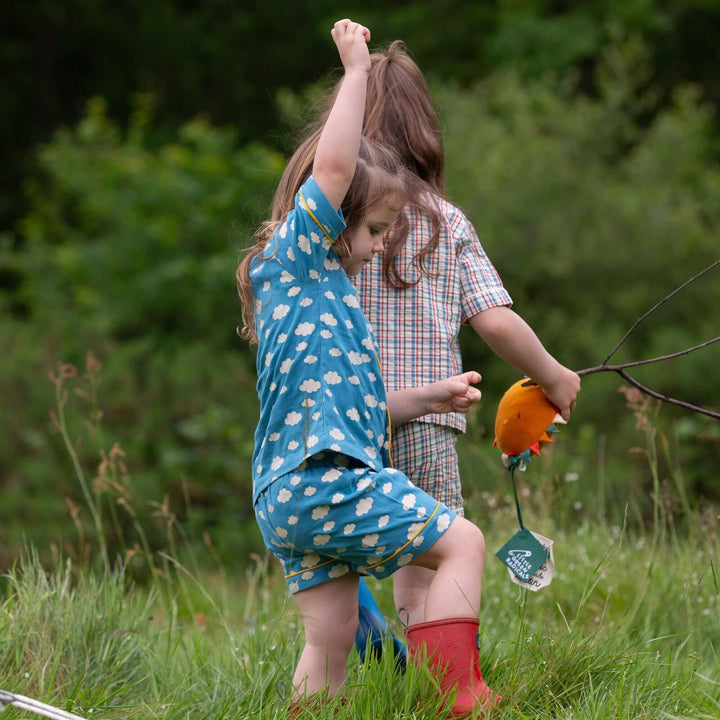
(339, 143)
(351, 39)
(455, 394)
(562, 392)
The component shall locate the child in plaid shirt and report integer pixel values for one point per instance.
(422, 291)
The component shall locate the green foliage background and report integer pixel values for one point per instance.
(582, 140)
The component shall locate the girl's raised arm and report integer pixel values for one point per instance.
(339, 143)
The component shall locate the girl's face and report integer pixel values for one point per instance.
(368, 239)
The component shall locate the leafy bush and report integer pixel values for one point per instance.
(137, 241)
(129, 253)
(591, 213)
(592, 216)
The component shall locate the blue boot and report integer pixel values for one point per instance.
(373, 629)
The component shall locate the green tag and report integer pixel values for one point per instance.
(523, 554)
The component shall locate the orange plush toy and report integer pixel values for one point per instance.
(524, 422)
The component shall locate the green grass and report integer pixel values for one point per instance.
(629, 629)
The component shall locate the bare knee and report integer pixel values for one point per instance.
(470, 539)
(330, 613)
(462, 541)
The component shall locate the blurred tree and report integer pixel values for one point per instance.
(218, 57)
(229, 59)
(138, 242)
(593, 182)
(129, 253)
(591, 216)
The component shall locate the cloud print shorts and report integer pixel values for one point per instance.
(334, 515)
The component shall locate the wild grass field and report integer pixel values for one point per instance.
(629, 628)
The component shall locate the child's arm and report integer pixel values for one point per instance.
(515, 342)
(455, 394)
(339, 143)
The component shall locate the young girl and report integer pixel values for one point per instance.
(328, 502)
(425, 287)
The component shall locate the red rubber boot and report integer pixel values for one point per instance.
(451, 648)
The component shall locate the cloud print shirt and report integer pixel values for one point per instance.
(319, 379)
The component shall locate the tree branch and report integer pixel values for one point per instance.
(621, 368)
(656, 306)
(672, 401)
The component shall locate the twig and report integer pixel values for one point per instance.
(621, 368)
(656, 306)
(665, 398)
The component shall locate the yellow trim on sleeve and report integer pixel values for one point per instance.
(311, 214)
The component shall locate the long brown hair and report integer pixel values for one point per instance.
(379, 174)
(399, 112)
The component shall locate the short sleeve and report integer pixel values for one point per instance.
(315, 209)
(304, 240)
(480, 285)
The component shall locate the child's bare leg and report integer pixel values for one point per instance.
(448, 636)
(410, 588)
(330, 617)
(458, 559)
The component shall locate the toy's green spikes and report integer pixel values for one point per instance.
(557, 420)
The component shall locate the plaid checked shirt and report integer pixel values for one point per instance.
(418, 329)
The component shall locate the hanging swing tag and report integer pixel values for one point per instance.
(543, 576)
(523, 554)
